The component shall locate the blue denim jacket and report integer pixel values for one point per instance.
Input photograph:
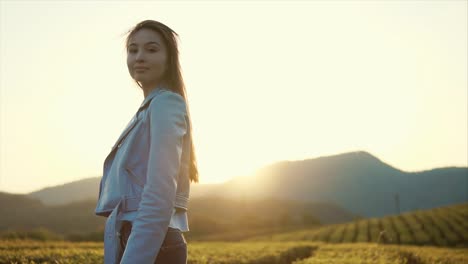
(146, 171)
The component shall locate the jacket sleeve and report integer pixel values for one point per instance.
(168, 125)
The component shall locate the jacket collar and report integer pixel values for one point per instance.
(151, 95)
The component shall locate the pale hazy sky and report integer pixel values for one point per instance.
(266, 81)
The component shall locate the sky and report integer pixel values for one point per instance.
(267, 81)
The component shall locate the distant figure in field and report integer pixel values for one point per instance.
(384, 238)
(144, 190)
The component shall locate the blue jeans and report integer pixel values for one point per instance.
(173, 249)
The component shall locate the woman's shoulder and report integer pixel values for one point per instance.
(164, 92)
(167, 101)
(168, 95)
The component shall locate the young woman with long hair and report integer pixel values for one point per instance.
(145, 186)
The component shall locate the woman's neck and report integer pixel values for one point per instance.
(147, 89)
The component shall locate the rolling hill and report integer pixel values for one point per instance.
(356, 181)
(443, 226)
(207, 216)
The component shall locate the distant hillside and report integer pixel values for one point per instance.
(444, 226)
(207, 216)
(29, 214)
(88, 189)
(356, 181)
(17, 209)
(217, 218)
(84, 189)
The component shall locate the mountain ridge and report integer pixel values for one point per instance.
(356, 181)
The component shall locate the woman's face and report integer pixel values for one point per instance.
(147, 58)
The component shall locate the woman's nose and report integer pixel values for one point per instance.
(140, 56)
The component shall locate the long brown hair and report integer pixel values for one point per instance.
(173, 76)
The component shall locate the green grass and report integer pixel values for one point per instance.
(437, 236)
(364, 253)
(199, 252)
(297, 252)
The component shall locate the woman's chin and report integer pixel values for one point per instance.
(139, 76)
(140, 80)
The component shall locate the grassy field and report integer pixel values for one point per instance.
(199, 252)
(297, 252)
(366, 253)
(436, 236)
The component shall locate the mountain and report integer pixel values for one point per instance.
(84, 189)
(356, 181)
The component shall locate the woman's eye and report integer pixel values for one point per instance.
(132, 51)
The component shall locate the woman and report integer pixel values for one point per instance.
(145, 186)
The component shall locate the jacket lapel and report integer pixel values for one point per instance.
(127, 130)
(136, 118)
